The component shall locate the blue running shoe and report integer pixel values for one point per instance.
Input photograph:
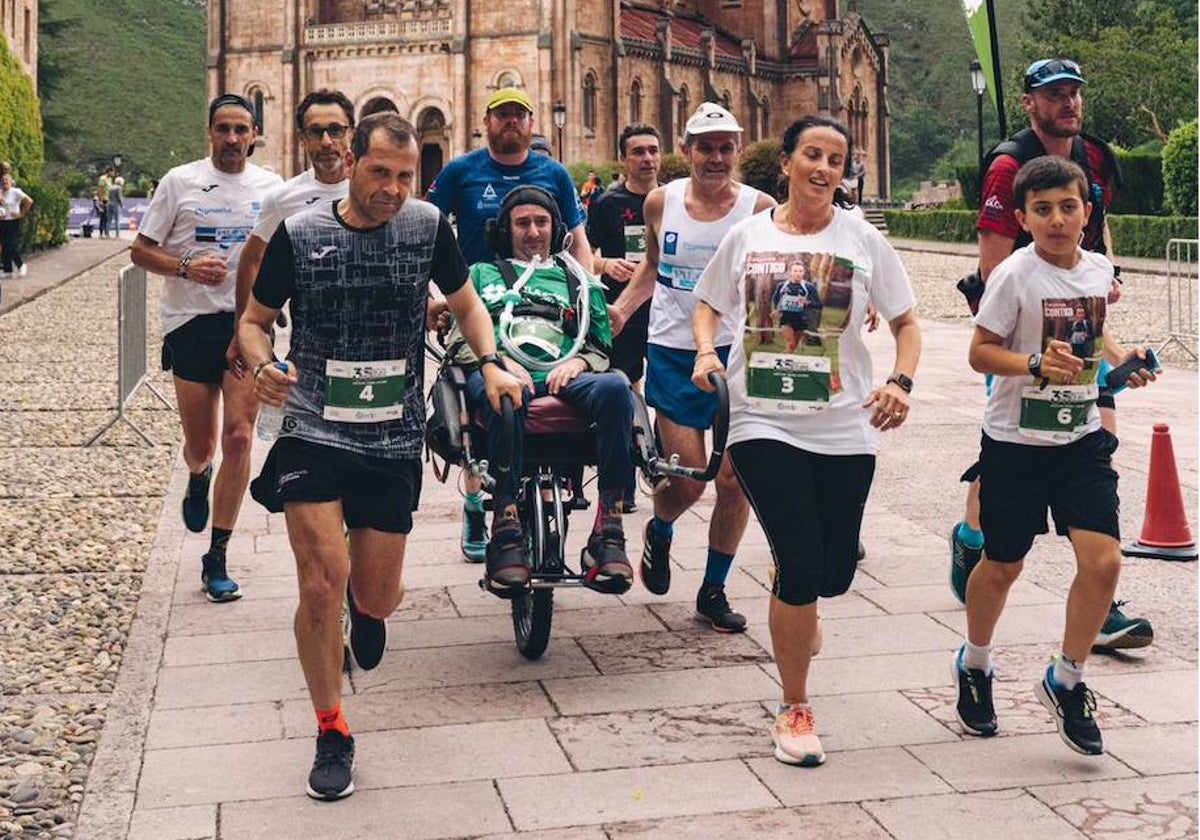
(218, 585)
(963, 560)
(474, 536)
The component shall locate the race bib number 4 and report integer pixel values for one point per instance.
(1059, 415)
(364, 392)
(786, 383)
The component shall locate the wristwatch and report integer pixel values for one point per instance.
(1035, 365)
(905, 382)
(492, 359)
(181, 271)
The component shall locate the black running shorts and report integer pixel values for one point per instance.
(1018, 483)
(376, 493)
(195, 352)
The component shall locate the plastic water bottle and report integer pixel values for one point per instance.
(270, 418)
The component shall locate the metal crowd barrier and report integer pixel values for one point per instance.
(1181, 294)
(131, 348)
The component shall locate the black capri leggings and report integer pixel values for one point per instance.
(811, 508)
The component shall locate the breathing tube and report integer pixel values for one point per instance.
(515, 344)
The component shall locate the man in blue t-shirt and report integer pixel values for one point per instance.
(472, 186)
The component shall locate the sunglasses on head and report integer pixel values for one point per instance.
(1040, 71)
(335, 130)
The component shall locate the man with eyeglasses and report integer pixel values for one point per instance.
(325, 121)
(192, 235)
(471, 188)
(1053, 99)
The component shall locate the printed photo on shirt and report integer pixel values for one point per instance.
(1080, 323)
(797, 305)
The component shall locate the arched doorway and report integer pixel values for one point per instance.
(431, 136)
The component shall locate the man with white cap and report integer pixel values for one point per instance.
(685, 222)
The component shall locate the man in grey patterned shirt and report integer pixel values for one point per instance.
(357, 274)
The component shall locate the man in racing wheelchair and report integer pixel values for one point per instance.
(552, 333)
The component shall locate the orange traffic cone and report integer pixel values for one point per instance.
(1165, 531)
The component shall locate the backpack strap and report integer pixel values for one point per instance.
(507, 273)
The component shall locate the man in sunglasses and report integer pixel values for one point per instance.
(192, 235)
(1053, 99)
(325, 124)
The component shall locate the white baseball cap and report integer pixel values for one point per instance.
(710, 117)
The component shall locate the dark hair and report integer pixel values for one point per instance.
(498, 231)
(634, 130)
(325, 96)
(792, 135)
(224, 99)
(395, 126)
(1046, 173)
(378, 105)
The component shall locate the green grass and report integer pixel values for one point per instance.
(130, 81)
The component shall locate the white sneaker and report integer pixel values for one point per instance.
(21, 270)
(795, 736)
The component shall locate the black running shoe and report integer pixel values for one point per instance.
(195, 501)
(368, 635)
(1121, 631)
(332, 774)
(606, 567)
(712, 606)
(218, 585)
(656, 562)
(281, 320)
(975, 710)
(1073, 713)
(629, 502)
(507, 565)
(861, 553)
(963, 560)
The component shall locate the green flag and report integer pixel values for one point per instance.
(981, 20)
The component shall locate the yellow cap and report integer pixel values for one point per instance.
(510, 94)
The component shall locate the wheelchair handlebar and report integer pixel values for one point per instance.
(720, 428)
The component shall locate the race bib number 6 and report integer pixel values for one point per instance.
(364, 392)
(1059, 415)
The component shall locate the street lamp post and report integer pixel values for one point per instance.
(560, 119)
(979, 84)
(117, 160)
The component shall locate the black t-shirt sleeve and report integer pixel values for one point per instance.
(600, 224)
(276, 276)
(449, 267)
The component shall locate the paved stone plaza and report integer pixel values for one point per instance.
(170, 718)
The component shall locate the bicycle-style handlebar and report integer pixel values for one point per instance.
(670, 466)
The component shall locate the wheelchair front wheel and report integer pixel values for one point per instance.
(533, 609)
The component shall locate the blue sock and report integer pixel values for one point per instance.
(717, 567)
(662, 530)
(969, 536)
(473, 501)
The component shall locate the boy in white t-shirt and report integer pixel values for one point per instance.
(1043, 446)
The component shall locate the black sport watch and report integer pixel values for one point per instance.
(905, 382)
(491, 359)
(1035, 365)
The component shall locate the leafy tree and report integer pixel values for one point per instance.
(1179, 169)
(20, 120)
(760, 167)
(52, 71)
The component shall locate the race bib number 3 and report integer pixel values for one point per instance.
(1059, 415)
(364, 392)
(787, 383)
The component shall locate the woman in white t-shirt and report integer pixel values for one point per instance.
(14, 205)
(804, 420)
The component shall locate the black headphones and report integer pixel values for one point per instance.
(499, 229)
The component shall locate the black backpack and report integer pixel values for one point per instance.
(1025, 146)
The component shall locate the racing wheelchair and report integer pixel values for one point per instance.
(559, 445)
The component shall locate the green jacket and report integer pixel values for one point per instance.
(547, 286)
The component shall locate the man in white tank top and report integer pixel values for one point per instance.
(685, 222)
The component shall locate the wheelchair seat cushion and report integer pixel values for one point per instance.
(549, 415)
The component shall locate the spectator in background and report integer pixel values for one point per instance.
(858, 171)
(540, 144)
(116, 197)
(591, 190)
(14, 206)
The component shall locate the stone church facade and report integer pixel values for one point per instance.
(609, 62)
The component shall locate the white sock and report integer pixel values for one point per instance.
(1066, 673)
(977, 657)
